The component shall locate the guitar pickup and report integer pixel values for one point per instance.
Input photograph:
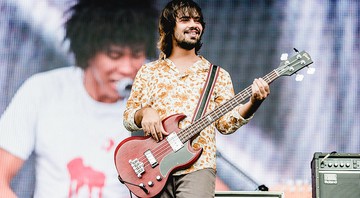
(174, 141)
(150, 157)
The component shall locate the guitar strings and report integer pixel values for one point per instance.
(163, 148)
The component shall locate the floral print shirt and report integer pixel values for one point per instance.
(160, 85)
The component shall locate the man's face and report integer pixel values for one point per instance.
(107, 68)
(187, 31)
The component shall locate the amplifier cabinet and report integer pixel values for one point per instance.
(248, 194)
(335, 175)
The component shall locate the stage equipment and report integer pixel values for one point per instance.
(335, 175)
(248, 194)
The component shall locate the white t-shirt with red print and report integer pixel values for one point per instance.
(73, 136)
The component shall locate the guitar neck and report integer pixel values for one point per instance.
(211, 117)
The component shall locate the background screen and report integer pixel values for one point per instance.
(247, 38)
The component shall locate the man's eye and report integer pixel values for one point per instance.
(137, 55)
(197, 20)
(114, 54)
(184, 19)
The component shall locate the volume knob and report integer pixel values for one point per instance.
(158, 178)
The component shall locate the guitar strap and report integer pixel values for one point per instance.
(207, 91)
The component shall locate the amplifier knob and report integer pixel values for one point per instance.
(336, 165)
(347, 165)
(341, 164)
(330, 165)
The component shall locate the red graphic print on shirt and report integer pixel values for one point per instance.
(109, 145)
(84, 176)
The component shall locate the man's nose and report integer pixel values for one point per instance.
(125, 66)
(194, 23)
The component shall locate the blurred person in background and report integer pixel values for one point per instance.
(71, 117)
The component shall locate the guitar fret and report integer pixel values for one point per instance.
(209, 118)
(214, 115)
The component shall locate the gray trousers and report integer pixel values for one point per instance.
(197, 184)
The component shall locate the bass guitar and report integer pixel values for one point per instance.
(144, 165)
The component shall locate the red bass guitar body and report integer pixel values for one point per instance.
(145, 165)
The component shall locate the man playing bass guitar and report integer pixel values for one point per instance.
(173, 85)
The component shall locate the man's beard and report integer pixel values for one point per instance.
(187, 44)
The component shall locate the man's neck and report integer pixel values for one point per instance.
(183, 59)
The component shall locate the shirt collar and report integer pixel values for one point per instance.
(201, 65)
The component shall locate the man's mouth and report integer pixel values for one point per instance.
(192, 31)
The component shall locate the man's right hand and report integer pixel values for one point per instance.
(149, 120)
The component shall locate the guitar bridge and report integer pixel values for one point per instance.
(137, 166)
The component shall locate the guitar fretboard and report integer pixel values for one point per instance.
(200, 124)
(287, 67)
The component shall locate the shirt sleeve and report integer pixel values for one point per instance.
(224, 91)
(138, 99)
(18, 122)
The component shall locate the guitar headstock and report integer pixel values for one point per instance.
(289, 66)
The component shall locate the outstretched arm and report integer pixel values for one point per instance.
(9, 166)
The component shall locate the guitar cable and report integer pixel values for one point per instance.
(326, 156)
(140, 186)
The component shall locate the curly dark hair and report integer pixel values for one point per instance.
(167, 22)
(95, 25)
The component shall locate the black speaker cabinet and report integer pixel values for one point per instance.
(248, 194)
(335, 175)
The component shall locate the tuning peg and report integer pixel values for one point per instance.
(299, 77)
(311, 70)
(284, 56)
